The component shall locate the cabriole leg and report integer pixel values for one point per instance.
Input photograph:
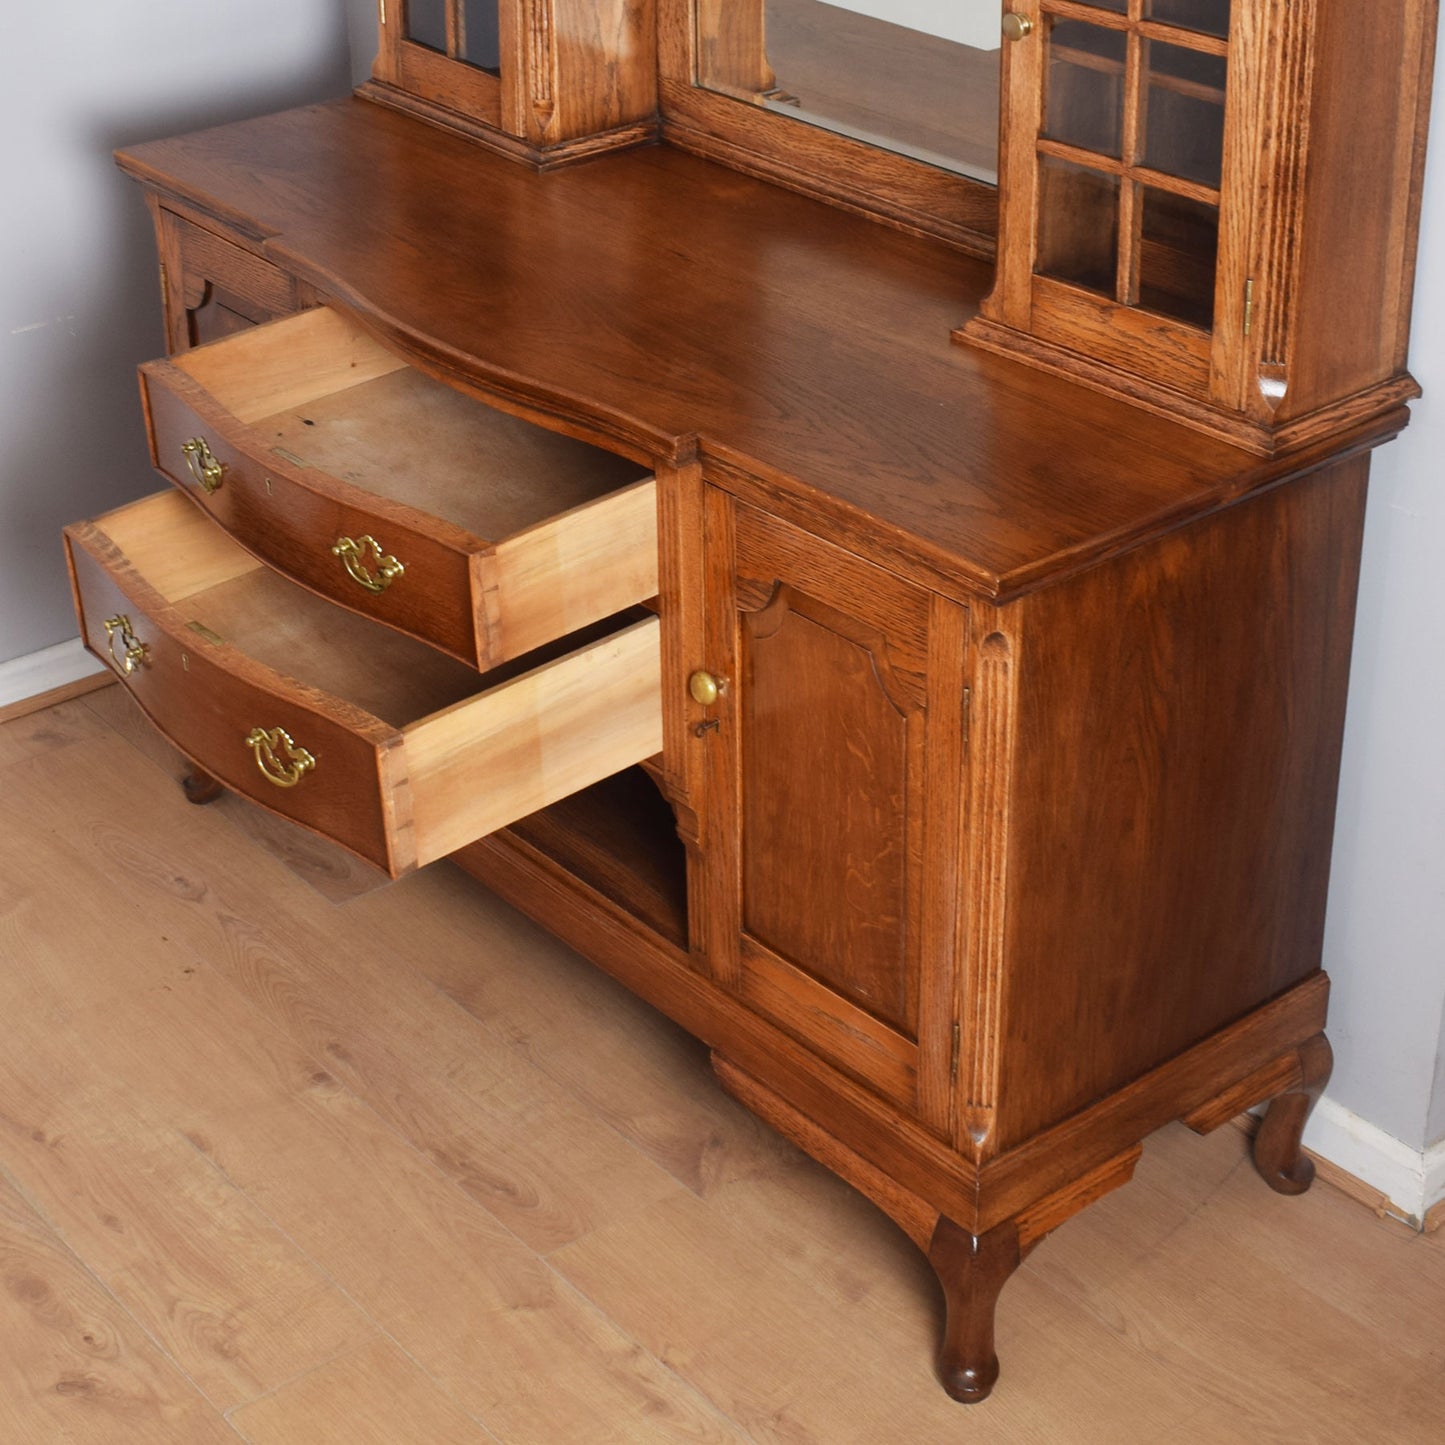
(973, 1270)
(1285, 1167)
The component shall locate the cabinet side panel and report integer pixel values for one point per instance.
(1369, 109)
(1180, 712)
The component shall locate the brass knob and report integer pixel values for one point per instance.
(1016, 26)
(202, 463)
(705, 688)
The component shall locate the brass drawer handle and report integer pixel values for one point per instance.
(354, 555)
(136, 653)
(280, 760)
(204, 467)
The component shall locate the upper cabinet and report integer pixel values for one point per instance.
(546, 80)
(1211, 207)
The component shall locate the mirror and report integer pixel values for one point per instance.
(917, 77)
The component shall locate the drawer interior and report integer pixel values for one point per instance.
(225, 594)
(321, 392)
(468, 753)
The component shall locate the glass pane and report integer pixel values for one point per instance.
(913, 76)
(426, 23)
(1184, 122)
(1208, 17)
(1178, 249)
(481, 38)
(1078, 225)
(1084, 105)
(1119, 7)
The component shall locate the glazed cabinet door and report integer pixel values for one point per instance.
(833, 822)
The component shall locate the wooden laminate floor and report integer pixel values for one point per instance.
(293, 1158)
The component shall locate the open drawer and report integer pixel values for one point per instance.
(397, 496)
(344, 726)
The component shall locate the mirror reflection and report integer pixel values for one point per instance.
(919, 77)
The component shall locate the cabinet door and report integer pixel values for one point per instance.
(833, 816)
(1120, 179)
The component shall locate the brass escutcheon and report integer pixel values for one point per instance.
(202, 463)
(280, 760)
(136, 652)
(353, 554)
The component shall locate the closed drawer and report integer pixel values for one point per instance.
(399, 497)
(347, 727)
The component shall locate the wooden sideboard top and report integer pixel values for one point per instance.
(656, 302)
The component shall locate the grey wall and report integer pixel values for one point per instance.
(78, 311)
(78, 287)
(1385, 937)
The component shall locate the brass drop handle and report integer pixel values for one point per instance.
(705, 688)
(280, 760)
(354, 554)
(136, 653)
(203, 464)
(1016, 26)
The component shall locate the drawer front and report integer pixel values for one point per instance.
(400, 498)
(207, 699)
(454, 759)
(300, 525)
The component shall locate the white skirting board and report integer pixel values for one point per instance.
(1413, 1180)
(43, 671)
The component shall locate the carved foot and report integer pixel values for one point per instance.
(200, 787)
(972, 1269)
(1284, 1166)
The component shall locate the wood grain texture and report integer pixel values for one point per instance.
(210, 1279)
(1307, 314)
(1191, 1306)
(972, 473)
(1219, 790)
(398, 779)
(508, 535)
(75, 1366)
(375, 1396)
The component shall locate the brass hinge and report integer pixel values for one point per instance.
(381, 10)
(165, 293)
(1248, 305)
(953, 1060)
(967, 699)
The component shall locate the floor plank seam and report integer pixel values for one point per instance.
(8, 1176)
(330, 1280)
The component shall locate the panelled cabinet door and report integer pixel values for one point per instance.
(835, 755)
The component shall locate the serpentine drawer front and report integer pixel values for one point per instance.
(400, 497)
(334, 721)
